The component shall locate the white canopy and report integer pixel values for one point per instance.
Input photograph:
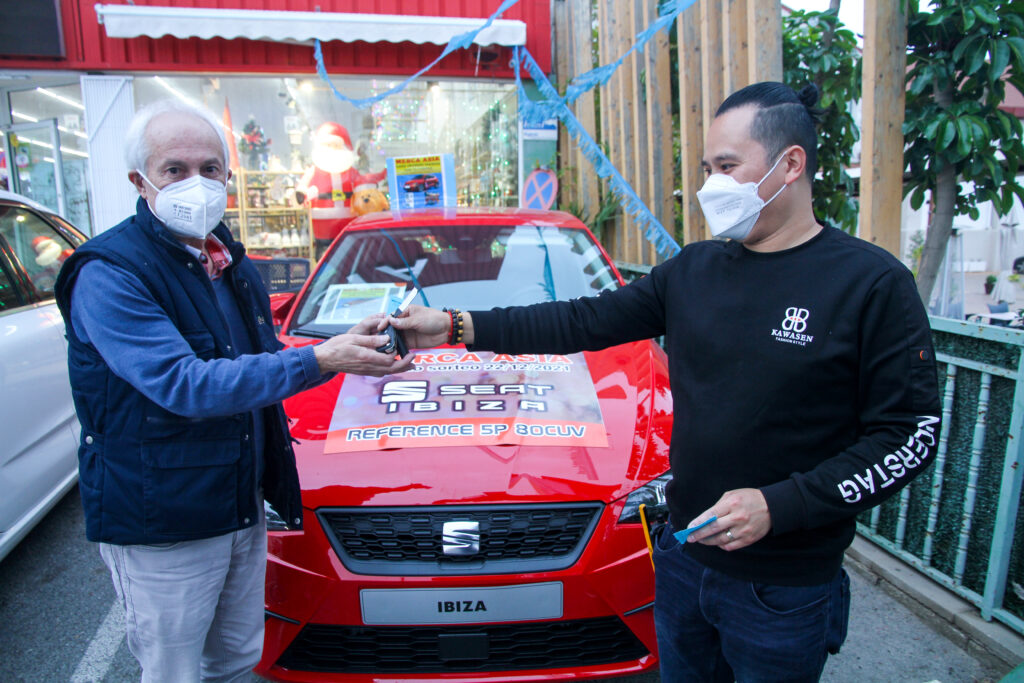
(132, 21)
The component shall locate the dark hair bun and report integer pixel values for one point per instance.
(809, 95)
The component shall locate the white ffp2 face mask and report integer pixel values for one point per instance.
(192, 207)
(731, 208)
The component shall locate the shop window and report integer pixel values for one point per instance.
(33, 150)
(273, 121)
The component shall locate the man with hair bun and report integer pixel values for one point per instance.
(805, 392)
(178, 378)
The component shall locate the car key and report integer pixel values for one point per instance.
(396, 342)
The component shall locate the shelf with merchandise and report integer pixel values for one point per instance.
(268, 217)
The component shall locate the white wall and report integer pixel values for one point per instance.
(109, 107)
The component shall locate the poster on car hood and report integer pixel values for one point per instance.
(462, 398)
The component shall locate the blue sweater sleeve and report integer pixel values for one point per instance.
(112, 310)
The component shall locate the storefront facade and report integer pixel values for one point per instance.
(268, 93)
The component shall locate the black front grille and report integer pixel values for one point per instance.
(423, 649)
(407, 541)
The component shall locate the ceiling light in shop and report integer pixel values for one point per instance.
(174, 91)
(185, 98)
(306, 86)
(61, 98)
(32, 119)
(47, 145)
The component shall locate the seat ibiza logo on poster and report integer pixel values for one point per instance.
(460, 539)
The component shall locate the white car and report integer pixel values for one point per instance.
(39, 444)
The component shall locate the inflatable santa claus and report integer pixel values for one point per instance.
(49, 257)
(328, 185)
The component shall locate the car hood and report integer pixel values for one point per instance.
(341, 463)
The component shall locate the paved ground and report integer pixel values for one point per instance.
(889, 643)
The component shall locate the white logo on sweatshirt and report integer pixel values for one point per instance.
(794, 324)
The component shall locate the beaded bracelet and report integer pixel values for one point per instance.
(457, 326)
(451, 319)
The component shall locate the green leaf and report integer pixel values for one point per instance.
(1016, 44)
(1000, 58)
(990, 18)
(983, 130)
(921, 81)
(977, 58)
(933, 125)
(917, 198)
(1004, 123)
(969, 18)
(946, 135)
(961, 47)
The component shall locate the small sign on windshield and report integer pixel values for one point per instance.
(347, 304)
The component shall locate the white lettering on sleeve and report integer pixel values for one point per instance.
(907, 458)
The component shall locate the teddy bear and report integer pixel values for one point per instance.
(369, 200)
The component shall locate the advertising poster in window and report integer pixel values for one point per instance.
(462, 398)
(422, 182)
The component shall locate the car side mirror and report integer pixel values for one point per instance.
(280, 306)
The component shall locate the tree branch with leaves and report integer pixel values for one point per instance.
(817, 49)
(960, 56)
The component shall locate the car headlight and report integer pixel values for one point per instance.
(274, 520)
(652, 495)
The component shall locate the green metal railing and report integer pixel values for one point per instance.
(961, 522)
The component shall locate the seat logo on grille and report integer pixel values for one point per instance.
(460, 538)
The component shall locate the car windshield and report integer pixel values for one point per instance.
(461, 266)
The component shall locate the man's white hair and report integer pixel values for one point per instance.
(136, 147)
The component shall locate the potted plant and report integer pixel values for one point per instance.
(990, 283)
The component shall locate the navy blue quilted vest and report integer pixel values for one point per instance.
(147, 475)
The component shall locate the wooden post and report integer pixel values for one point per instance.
(609, 113)
(636, 131)
(563, 74)
(622, 120)
(659, 128)
(584, 108)
(884, 88)
(691, 120)
(735, 30)
(712, 64)
(764, 21)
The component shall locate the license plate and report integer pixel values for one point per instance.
(401, 606)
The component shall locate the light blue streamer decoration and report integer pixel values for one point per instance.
(552, 107)
(459, 42)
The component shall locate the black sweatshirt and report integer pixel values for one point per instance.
(807, 373)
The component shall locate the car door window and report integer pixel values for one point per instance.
(36, 244)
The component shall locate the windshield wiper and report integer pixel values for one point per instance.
(408, 268)
(306, 332)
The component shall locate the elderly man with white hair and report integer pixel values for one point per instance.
(178, 380)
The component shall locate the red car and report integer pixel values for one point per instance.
(475, 518)
(421, 182)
